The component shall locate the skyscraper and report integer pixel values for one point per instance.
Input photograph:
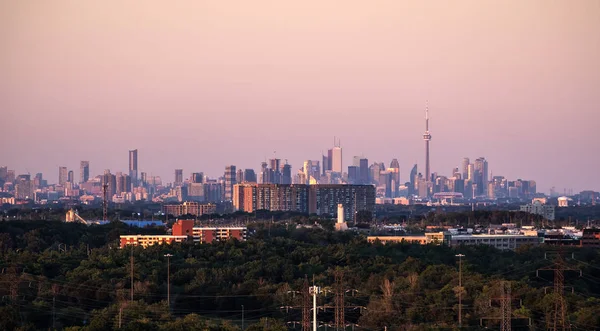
(178, 177)
(264, 173)
(286, 174)
(427, 138)
(63, 175)
(413, 180)
(395, 170)
(481, 175)
(84, 171)
(71, 177)
(327, 162)
(363, 171)
(197, 177)
(471, 172)
(274, 171)
(230, 173)
(465, 168)
(336, 161)
(336, 158)
(133, 166)
(239, 176)
(249, 176)
(353, 175)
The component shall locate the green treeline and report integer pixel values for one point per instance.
(70, 276)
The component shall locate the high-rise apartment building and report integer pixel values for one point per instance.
(133, 166)
(279, 197)
(63, 175)
(320, 199)
(110, 180)
(230, 173)
(324, 199)
(24, 187)
(123, 183)
(71, 177)
(178, 177)
(244, 197)
(84, 171)
(239, 176)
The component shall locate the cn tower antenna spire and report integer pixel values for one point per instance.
(427, 115)
(427, 138)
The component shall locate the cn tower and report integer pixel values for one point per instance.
(427, 138)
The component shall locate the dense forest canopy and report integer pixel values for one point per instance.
(59, 275)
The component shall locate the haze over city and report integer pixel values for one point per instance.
(202, 84)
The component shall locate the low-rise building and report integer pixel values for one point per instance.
(150, 240)
(590, 238)
(184, 230)
(499, 241)
(190, 207)
(428, 238)
(547, 211)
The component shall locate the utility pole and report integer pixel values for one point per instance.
(131, 267)
(314, 291)
(460, 256)
(168, 256)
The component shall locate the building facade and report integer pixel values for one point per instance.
(499, 241)
(133, 166)
(320, 199)
(230, 180)
(547, 211)
(185, 230)
(191, 208)
(84, 171)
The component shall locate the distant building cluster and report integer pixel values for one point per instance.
(277, 187)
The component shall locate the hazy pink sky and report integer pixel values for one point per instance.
(201, 84)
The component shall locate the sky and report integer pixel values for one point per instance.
(201, 84)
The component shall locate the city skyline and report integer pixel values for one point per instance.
(239, 83)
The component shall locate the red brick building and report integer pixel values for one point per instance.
(184, 230)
